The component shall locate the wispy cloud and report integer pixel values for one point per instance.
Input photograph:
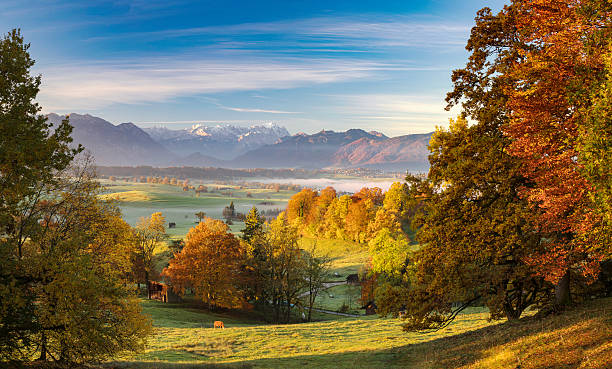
(247, 110)
(96, 85)
(323, 34)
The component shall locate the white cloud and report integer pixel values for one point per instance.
(354, 32)
(96, 85)
(248, 110)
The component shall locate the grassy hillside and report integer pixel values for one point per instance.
(347, 257)
(580, 338)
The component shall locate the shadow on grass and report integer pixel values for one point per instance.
(579, 336)
(140, 365)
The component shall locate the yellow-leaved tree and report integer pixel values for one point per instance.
(149, 232)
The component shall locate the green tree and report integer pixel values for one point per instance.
(595, 149)
(390, 253)
(316, 272)
(31, 155)
(253, 224)
(229, 212)
(150, 232)
(476, 232)
(65, 253)
(277, 264)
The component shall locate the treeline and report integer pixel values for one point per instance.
(187, 186)
(265, 269)
(208, 173)
(358, 217)
(267, 186)
(227, 174)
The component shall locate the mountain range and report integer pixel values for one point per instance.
(256, 146)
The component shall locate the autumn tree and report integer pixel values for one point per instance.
(253, 224)
(300, 205)
(200, 215)
(358, 216)
(278, 268)
(323, 201)
(150, 232)
(335, 217)
(210, 263)
(86, 310)
(563, 44)
(373, 194)
(475, 229)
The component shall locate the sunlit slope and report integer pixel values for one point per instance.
(581, 338)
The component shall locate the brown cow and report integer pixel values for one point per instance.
(219, 324)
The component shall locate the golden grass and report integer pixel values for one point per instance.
(579, 338)
(127, 196)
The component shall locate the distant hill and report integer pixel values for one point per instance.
(123, 144)
(351, 149)
(257, 146)
(302, 150)
(394, 153)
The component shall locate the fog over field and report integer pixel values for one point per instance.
(339, 184)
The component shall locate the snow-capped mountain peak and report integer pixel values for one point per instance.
(207, 139)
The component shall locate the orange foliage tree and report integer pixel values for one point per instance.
(300, 205)
(209, 263)
(561, 60)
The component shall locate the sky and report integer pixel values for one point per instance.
(307, 65)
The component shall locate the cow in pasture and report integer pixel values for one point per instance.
(218, 324)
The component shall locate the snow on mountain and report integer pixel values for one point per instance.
(222, 141)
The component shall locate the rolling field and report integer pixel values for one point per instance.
(580, 338)
(185, 336)
(347, 257)
(138, 200)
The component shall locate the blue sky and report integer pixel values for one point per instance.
(308, 65)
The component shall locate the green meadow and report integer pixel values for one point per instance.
(138, 200)
(183, 339)
(185, 336)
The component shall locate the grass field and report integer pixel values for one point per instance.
(580, 338)
(347, 257)
(138, 200)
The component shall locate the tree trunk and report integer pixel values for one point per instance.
(562, 291)
(148, 285)
(43, 347)
(512, 314)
